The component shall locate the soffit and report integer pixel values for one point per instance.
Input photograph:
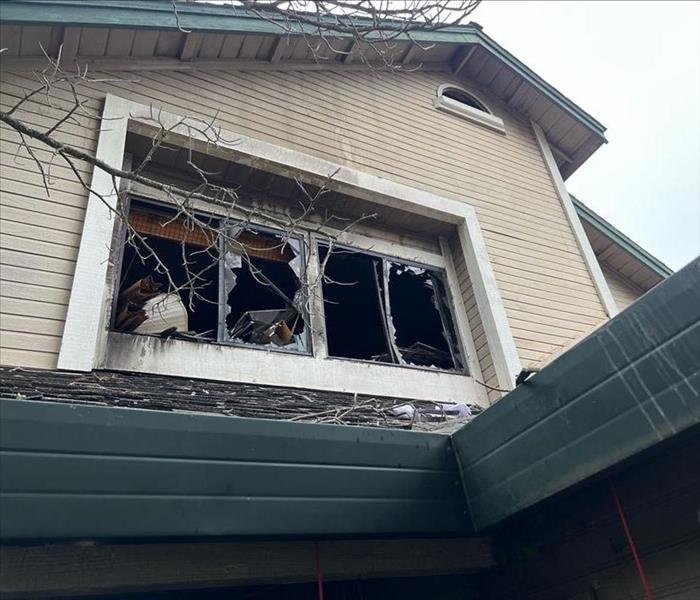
(116, 30)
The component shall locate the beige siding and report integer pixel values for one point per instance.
(488, 372)
(623, 291)
(39, 237)
(385, 125)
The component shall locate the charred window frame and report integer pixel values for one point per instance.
(272, 263)
(270, 301)
(380, 309)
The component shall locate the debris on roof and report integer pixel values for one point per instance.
(167, 393)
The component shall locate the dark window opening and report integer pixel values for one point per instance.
(464, 98)
(387, 311)
(250, 296)
(179, 295)
(263, 297)
(354, 322)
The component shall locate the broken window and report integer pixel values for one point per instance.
(233, 285)
(169, 276)
(262, 297)
(389, 311)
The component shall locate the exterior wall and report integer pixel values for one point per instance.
(488, 371)
(574, 546)
(624, 291)
(384, 125)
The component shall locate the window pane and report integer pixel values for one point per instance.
(354, 322)
(174, 260)
(387, 311)
(263, 303)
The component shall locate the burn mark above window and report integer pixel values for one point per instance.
(387, 311)
(198, 281)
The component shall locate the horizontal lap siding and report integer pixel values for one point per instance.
(381, 124)
(476, 327)
(39, 231)
(623, 291)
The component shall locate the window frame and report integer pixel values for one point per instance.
(484, 118)
(119, 259)
(87, 344)
(442, 272)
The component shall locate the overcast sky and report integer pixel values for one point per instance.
(635, 67)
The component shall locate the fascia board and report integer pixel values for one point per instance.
(91, 472)
(627, 387)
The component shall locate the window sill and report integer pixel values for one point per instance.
(468, 113)
(412, 367)
(180, 358)
(213, 342)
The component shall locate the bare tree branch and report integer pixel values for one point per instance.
(376, 28)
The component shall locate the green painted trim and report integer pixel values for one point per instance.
(627, 387)
(158, 14)
(78, 471)
(619, 238)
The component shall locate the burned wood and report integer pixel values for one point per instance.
(130, 313)
(125, 317)
(133, 321)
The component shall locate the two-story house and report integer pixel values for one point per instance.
(296, 234)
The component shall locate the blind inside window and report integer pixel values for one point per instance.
(262, 245)
(166, 227)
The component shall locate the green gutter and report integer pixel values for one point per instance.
(77, 471)
(630, 385)
(158, 14)
(619, 238)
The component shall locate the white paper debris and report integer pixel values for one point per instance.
(164, 312)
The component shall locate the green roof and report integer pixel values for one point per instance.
(614, 234)
(195, 16)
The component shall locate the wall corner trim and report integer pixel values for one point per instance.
(488, 300)
(589, 257)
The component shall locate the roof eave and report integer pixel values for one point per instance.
(195, 17)
(619, 238)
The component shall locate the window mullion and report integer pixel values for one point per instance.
(317, 316)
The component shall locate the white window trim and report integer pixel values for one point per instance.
(87, 344)
(480, 117)
(589, 257)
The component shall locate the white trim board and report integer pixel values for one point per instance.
(81, 333)
(285, 369)
(589, 257)
(464, 111)
(85, 332)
